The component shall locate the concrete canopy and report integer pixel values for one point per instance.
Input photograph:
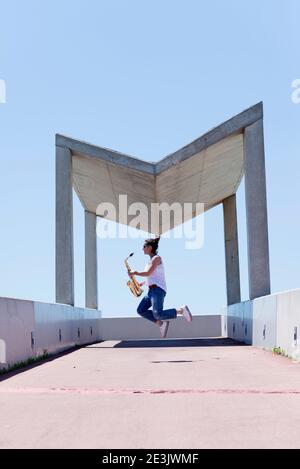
(208, 170)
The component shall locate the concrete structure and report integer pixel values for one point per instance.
(91, 294)
(231, 250)
(139, 329)
(29, 329)
(256, 211)
(208, 170)
(198, 388)
(270, 321)
(64, 227)
(172, 394)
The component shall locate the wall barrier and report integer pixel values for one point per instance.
(139, 328)
(29, 329)
(271, 321)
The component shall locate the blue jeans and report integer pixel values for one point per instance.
(155, 298)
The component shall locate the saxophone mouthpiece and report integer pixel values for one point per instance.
(131, 254)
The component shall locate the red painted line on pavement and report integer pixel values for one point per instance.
(96, 391)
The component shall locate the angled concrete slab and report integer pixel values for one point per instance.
(207, 171)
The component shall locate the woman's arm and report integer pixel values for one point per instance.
(148, 272)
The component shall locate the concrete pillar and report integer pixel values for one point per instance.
(91, 288)
(64, 268)
(231, 250)
(256, 211)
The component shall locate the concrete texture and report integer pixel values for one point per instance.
(268, 321)
(30, 328)
(288, 322)
(256, 211)
(16, 329)
(233, 288)
(208, 177)
(91, 271)
(198, 394)
(64, 269)
(139, 328)
(239, 321)
(59, 327)
(207, 170)
(264, 319)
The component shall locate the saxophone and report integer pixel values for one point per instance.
(133, 283)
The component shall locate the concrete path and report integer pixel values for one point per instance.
(154, 394)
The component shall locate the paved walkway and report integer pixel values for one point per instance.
(154, 394)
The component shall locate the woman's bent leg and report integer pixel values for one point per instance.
(143, 309)
(157, 300)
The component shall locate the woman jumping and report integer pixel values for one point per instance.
(156, 282)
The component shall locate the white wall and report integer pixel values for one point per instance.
(239, 321)
(58, 326)
(31, 328)
(288, 318)
(272, 321)
(16, 327)
(139, 328)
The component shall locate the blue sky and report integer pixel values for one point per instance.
(143, 78)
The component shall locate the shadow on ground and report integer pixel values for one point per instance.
(215, 342)
(10, 373)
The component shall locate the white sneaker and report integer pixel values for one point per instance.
(164, 329)
(186, 313)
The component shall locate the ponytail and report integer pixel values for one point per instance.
(153, 243)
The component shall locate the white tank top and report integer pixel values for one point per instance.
(158, 275)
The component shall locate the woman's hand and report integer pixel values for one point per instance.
(141, 284)
(132, 272)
